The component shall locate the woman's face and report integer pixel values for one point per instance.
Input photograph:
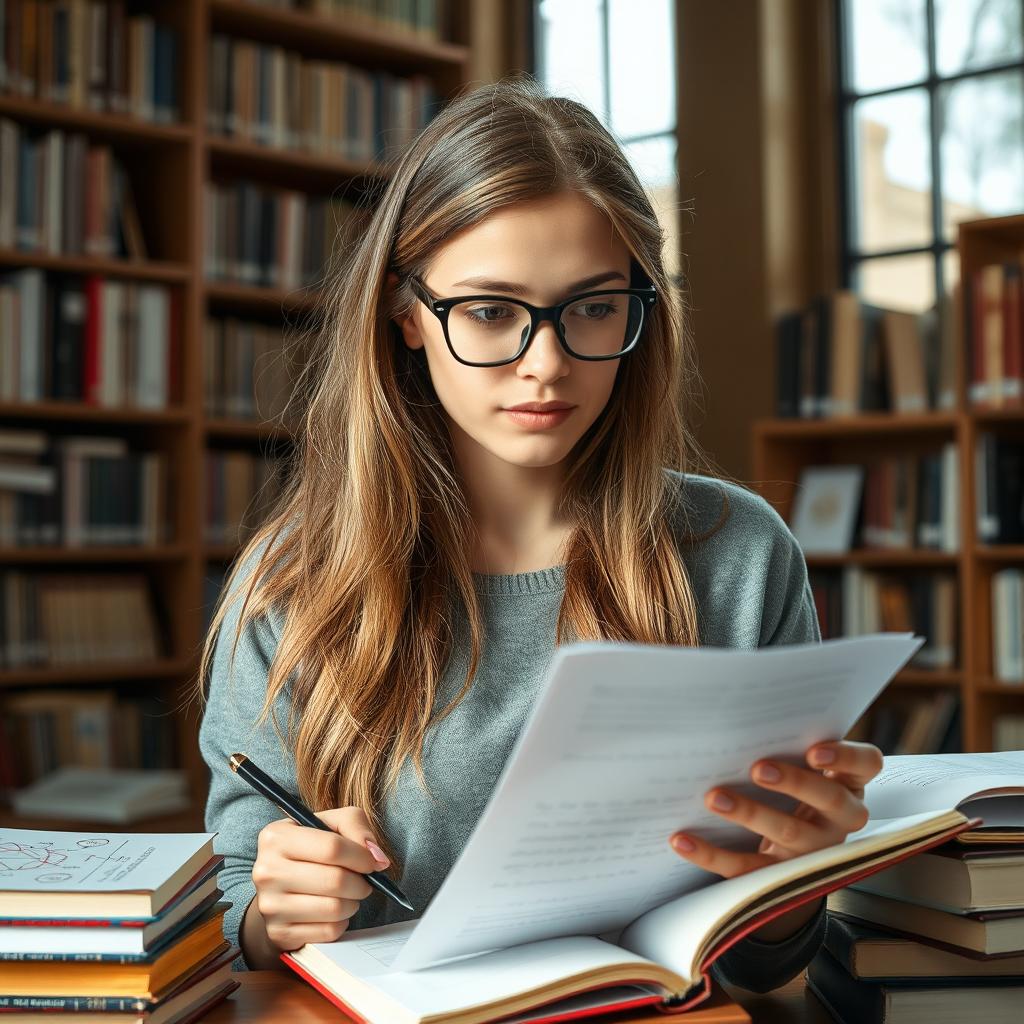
(549, 249)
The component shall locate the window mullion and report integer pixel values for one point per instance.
(935, 129)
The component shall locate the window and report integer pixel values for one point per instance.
(932, 130)
(618, 58)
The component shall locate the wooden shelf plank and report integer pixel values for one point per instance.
(190, 820)
(221, 552)
(143, 270)
(993, 417)
(246, 430)
(102, 124)
(247, 296)
(1000, 552)
(928, 677)
(79, 412)
(990, 685)
(341, 36)
(317, 169)
(911, 557)
(866, 423)
(101, 672)
(84, 556)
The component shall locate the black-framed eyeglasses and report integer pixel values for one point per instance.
(492, 330)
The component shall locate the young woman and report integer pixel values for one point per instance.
(383, 636)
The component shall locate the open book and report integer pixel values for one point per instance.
(622, 742)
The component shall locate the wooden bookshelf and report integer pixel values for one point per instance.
(783, 447)
(176, 161)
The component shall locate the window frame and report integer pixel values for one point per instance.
(851, 258)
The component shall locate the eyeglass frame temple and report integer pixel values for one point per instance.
(538, 315)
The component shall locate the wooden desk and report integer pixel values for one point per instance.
(277, 997)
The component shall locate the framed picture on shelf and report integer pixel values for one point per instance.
(825, 509)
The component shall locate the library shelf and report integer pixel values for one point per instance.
(183, 821)
(120, 128)
(367, 44)
(170, 166)
(106, 554)
(99, 672)
(79, 412)
(162, 271)
(783, 447)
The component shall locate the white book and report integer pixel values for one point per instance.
(111, 388)
(950, 498)
(53, 241)
(30, 297)
(153, 345)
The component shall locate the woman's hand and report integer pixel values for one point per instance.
(308, 883)
(831, 807)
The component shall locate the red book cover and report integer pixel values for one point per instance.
(93, 333)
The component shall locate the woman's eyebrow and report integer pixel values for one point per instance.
(518, 289)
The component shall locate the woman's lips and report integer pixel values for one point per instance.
(538, 420)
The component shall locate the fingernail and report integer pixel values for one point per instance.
(768, 773)
(721, 802)
(378, 854)
(684, 845)
(823, 756)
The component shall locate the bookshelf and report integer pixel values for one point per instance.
(783, 447)
(170, 166)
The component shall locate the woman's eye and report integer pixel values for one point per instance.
(488, 314)
(595, 310)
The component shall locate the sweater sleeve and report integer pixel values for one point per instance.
(789, 617)
(234, 810)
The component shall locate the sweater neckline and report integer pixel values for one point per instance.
(540, 581)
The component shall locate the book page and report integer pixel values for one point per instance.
(369, 954)
(622, 743)
(48, 861)
(927, 782)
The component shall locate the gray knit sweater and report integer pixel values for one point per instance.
(751, 589)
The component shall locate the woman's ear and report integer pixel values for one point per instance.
(406, 323)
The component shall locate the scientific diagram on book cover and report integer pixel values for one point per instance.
(56, 861)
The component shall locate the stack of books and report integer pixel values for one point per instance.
(939, 936)
(125, 927)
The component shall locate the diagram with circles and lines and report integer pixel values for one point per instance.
(53, 862)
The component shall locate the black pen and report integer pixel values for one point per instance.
(302, 815)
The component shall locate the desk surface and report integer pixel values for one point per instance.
(269, 997)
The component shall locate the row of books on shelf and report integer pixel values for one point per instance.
(995, 335)
(62, 194)
(263, 93)
(854, 601)
(241, 488)
(896, 502)
(424, 18)
(77, 491)
(101, 56)
(273, 237)
(1008, 732)
(940, 935)
(53, 618)
(912, 723)
(246, 374)
(105, 342)
(841, 356)
(46, 730)
(142, 943)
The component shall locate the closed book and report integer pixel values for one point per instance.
(990, 932)
(88, 875)
(874, 954)
(141, 979)
(955, 878)
(995, 1001)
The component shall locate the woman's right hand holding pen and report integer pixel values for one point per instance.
(308, 883)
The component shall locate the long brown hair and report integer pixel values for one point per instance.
(366, 553)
